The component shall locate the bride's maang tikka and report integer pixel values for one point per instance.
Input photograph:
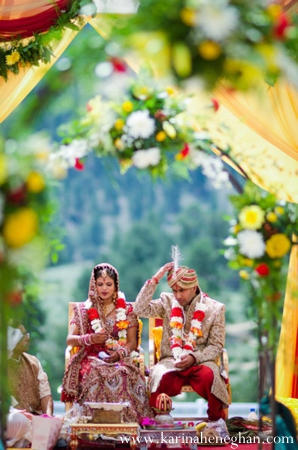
(104, 273)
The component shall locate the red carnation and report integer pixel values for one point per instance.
(187, 347)
(185, 151)
(215, 104)
(79, 165)
(176, 312)
(121, 303)
(118, 65)
(92, 314)
(282, 24)
(199, 315)
(262, 270)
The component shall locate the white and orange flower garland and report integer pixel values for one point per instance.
(177, 320)
(121, 323)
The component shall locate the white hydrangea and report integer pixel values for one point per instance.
(78, 148)
(251, 243)
(145, 158)
(139, 124)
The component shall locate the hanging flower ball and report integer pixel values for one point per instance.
(278, 245)
(20, 227)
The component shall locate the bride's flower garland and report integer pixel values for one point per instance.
(177, 320)
(121, 323)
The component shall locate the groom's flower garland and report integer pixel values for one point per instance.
(177, 321)
(121, 323)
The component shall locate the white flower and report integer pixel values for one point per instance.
(122, 333)
(251, 243)
(76, 149)
(217, 20)
(140, 124)
(145, 158)
(121, 295)
(88, 304)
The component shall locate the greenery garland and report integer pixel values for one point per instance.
(37, 49)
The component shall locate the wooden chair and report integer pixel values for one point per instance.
(155, 335)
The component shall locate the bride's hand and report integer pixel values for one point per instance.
(100, 338)
(114, 357)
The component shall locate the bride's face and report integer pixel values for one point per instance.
(105, 288)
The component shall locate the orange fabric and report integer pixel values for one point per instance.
(287, 354)
(272, 112)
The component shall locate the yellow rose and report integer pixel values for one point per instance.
(160, 136)
(209, 50)
(127, 106)
(119, 124)
(244, 275)
(20, 227)
(278, 245)
(35, 182)
(271, 217)
(3, 169)
(12, 58)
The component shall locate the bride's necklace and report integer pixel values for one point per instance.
(108, 309)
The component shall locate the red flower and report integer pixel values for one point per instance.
(176, 312)
(160, 115)
(118, 65)
(185, 151)
(15, 298)
(187, 347)
(190, 424)
(282, 24)
(79, 165)
(92, 314)
(121, 303)
(215, 104)
(262, 270)
(17, 196)
(199, 315)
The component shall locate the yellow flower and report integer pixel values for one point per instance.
(247, 262)
(274, 10)
(127, 106)
(20, 227)
(13, 58)
(236, 229)
(35, 182)
(122, 324)
(170, 90)
(271, 217)
(160, 136)
(119, 144)
(209, 50)
(3, 169)
(278, 245)
(169, 129)
(279, 210)
(188, 16)
(251, 217)
(244, 275)
(119, 124)
(142, 92)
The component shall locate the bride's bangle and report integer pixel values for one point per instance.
(155, 280)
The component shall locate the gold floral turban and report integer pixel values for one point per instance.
(184, 277)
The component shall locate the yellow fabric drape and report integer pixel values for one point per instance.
(17, 87)
(286, 363)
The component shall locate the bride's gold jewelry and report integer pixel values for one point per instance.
(108, 309)
(104, 273)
